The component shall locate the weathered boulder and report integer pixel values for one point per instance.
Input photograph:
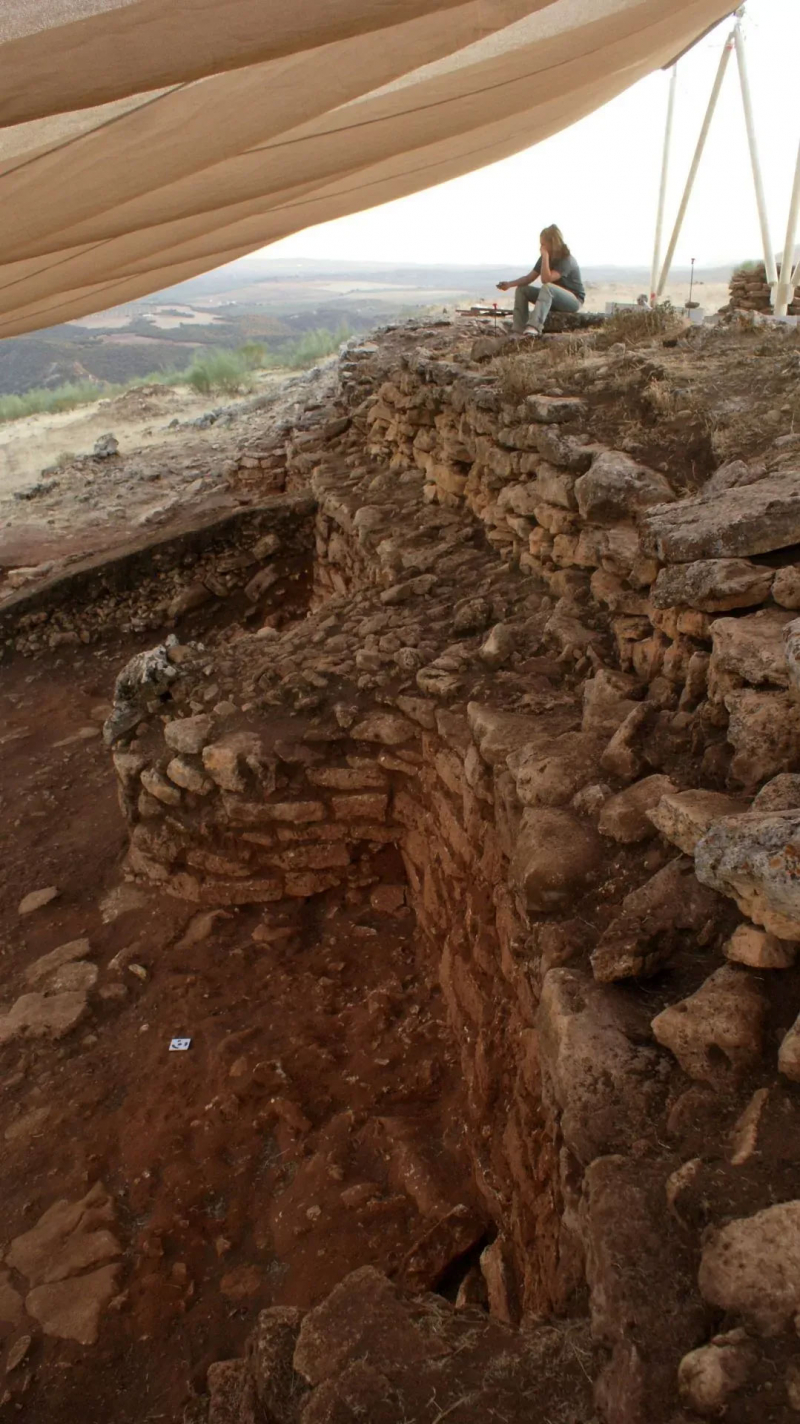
(497, 734)
(759, 950)
(43, 1015)
(71, 1309)
(188, 735)
(68, 1238)
(605, 1085)
(764, 731)
(751, 1267)
(625, 817)
(712, 585)
(615, 486)
(362, 1317)
(641, 1309)
(728, 476)
(42, 969)
(709, 1376)
(786, 587)
(716, 1034)
(554, 857)
(552, 777)
(140, 685)
(648, 930)
(683, 817)
(751, 649)
(608, 698)
(740, 521)
(782, 793)
(754, 858)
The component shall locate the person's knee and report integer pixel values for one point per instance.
(551, 288)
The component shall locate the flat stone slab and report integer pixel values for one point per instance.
(748, 519)
(755, 858)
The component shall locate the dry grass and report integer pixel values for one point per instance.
(638, 325)
(519, 375)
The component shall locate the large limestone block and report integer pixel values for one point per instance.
(748, 519)
(649, 929)
(67, 1239)
(764, 731)
(605, 1086)
(71, 1309)
(712, 585)
(616, 485)
(755, 858)
(716, 1034)
(683, 817)
(637, 1288)
(497, 733)
(752, 648)
(362, 1317)
(552, 777)
(751, 1268)
(555, 856)
(43, 1015)
(625, 817)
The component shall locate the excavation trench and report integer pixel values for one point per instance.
(410, 798)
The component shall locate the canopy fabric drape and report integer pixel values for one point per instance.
(143, 142)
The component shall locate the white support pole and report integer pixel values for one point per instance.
(785, 290)
(662, 193)
(761, 202)
(698, 153)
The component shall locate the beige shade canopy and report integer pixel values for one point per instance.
(145, 141)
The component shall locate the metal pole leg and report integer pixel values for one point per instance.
(662, 195)
(761, 202)
(698, 153)
(785, 288)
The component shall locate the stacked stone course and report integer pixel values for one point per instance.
(569, 696)
(750, 290)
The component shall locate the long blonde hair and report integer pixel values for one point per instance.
(553, 239)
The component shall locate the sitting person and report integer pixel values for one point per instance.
(561, 286)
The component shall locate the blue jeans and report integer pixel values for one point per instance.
(547, 296)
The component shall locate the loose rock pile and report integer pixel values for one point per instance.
(750, 290)
(570, 695)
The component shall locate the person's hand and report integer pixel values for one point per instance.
(503, 286)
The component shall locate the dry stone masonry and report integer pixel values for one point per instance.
(568, 691)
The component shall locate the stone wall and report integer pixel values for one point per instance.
(570, 698)
(750, 290)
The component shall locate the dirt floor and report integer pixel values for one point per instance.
(307, 1131)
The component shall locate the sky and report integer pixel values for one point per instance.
(599, 179)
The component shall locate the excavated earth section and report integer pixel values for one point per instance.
(460, 833)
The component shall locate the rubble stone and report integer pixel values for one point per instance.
(716, 1034)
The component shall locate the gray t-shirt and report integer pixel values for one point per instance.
(570, 275)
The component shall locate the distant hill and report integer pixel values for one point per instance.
(270, 300)
(249, 272)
